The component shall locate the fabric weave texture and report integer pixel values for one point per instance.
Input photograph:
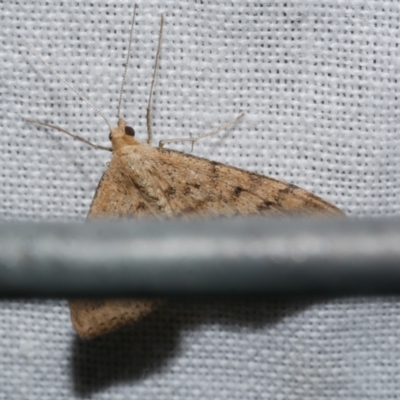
(319, 84)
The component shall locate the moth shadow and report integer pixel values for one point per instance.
(130, 354)
(149, 346)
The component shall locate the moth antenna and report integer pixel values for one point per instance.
(96, 146)
(69, 85)
(153, 82)
(194, 140)
(126, 63)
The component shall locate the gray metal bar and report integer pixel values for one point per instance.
(221, 257)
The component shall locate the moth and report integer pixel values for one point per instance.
(152, 182)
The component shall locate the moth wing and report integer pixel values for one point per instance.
(145, 182)
(92, 318)
(114, 197)
(180, 185)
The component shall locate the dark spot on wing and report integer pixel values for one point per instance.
(266, 205)
(189, 187)
(141, 206)
(237, 191)
(170, 191)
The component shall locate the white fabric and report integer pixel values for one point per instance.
(319, 83)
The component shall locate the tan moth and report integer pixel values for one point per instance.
(152, 182)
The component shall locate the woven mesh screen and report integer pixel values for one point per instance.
(318, 82)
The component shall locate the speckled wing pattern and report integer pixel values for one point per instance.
(147, 182)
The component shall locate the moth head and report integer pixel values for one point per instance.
(122, 135)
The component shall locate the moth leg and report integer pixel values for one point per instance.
(194, 140)
(58, 128)
(153, 82)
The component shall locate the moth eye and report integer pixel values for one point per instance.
(129, 131)
(110, 136)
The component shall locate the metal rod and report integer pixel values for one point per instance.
(221, 257)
